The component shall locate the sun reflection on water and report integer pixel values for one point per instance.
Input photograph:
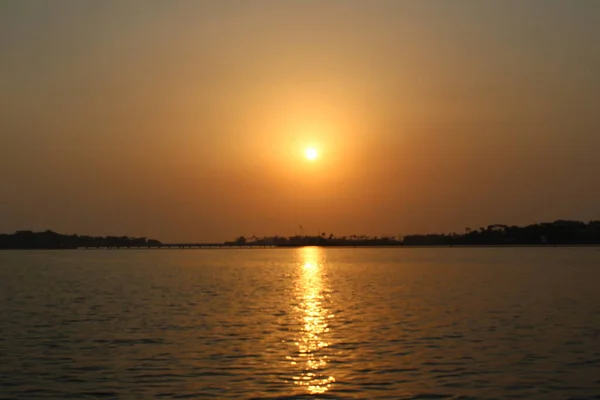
(311, 341)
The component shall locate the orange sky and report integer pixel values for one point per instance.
(188, 120)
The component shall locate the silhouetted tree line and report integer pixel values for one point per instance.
(53, 240)
(318, 240)
(561, 232)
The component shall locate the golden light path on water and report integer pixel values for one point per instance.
(311, 341)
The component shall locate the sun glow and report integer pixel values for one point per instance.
(311, 153)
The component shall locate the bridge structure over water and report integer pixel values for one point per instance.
(183, 246)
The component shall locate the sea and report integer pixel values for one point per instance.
(301, 323)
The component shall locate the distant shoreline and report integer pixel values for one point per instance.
(563, 233)
(262, 247)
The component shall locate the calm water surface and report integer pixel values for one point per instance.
(295, 323)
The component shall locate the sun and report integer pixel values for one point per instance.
(311, 153)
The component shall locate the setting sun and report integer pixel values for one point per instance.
(311, 153)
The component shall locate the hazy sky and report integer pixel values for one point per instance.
(187, 120)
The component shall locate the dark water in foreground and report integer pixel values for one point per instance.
(319, 323)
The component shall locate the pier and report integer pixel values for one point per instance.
(182, 246)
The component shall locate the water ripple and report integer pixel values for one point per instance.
(299, 324)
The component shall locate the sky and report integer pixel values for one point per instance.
(188, 120)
